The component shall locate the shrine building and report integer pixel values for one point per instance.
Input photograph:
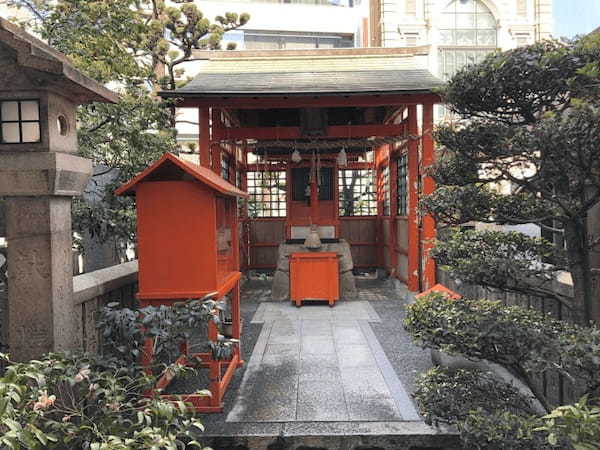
(337, 140)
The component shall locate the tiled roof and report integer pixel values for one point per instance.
(309, 73)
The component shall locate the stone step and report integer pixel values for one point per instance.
(330, 436)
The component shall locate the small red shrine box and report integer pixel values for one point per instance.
(187, 231)
(314, 276)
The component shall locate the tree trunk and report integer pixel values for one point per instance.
(578, 256)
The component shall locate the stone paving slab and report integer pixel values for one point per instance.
(319, 364)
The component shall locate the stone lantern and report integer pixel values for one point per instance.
(40, 173)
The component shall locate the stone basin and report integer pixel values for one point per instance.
(280, 289)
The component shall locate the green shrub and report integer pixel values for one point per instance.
(488, 413)
(448, 396)
(125, 331)
(66, 401)
(579, 424)
(482, 329)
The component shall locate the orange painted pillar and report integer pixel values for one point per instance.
(429, 233)
(377, 158)
(413, 201)
(393, 239)
(204, 139)
(215, 148)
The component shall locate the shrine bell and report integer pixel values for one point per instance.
(188, 242)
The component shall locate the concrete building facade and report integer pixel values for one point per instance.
(459, 31)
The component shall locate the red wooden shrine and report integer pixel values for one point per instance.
(314, 276)
(188, 247)
(255, 108)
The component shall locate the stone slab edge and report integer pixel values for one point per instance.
(401, 397)
(93, 284)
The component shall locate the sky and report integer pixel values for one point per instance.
(573, 17)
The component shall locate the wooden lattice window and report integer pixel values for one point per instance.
(357, 196)
(267, 194)
(403, 185)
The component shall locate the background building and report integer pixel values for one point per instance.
(459, 31)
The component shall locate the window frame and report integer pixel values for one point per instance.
(276, 205)
(366, 179)
(20, 121)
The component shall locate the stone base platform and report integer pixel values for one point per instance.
(281, 279)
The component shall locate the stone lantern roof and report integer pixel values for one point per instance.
(46, 68)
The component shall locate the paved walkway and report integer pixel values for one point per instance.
(317, 363)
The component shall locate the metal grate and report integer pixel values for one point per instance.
(357, 193)
(267, 191)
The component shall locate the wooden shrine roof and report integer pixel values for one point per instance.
(354, 71)
(170, 168)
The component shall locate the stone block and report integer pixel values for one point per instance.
(42, 316)
(29, 174)
(281, 286)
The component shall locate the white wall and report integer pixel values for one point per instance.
(289, 17)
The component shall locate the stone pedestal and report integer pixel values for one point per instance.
(40, 281)
(38, 190)
(281, 279)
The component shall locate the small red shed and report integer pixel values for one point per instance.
(188, 247)
(187, 231)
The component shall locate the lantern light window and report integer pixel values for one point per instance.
(20, 122)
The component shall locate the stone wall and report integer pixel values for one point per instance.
(93, 290)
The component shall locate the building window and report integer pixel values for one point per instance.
(225, 166)
(20, 122)
(267, 194)
(403, 185)
(522, 8)
(522, 39)
(357, 192)
(269, 40)
(385, 190)
(411, 39)
(238, 178)
(468, 33)
(453, 59)
(467, 23)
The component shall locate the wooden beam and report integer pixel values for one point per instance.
(312, 101)
(283, 133)
(204, 137)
